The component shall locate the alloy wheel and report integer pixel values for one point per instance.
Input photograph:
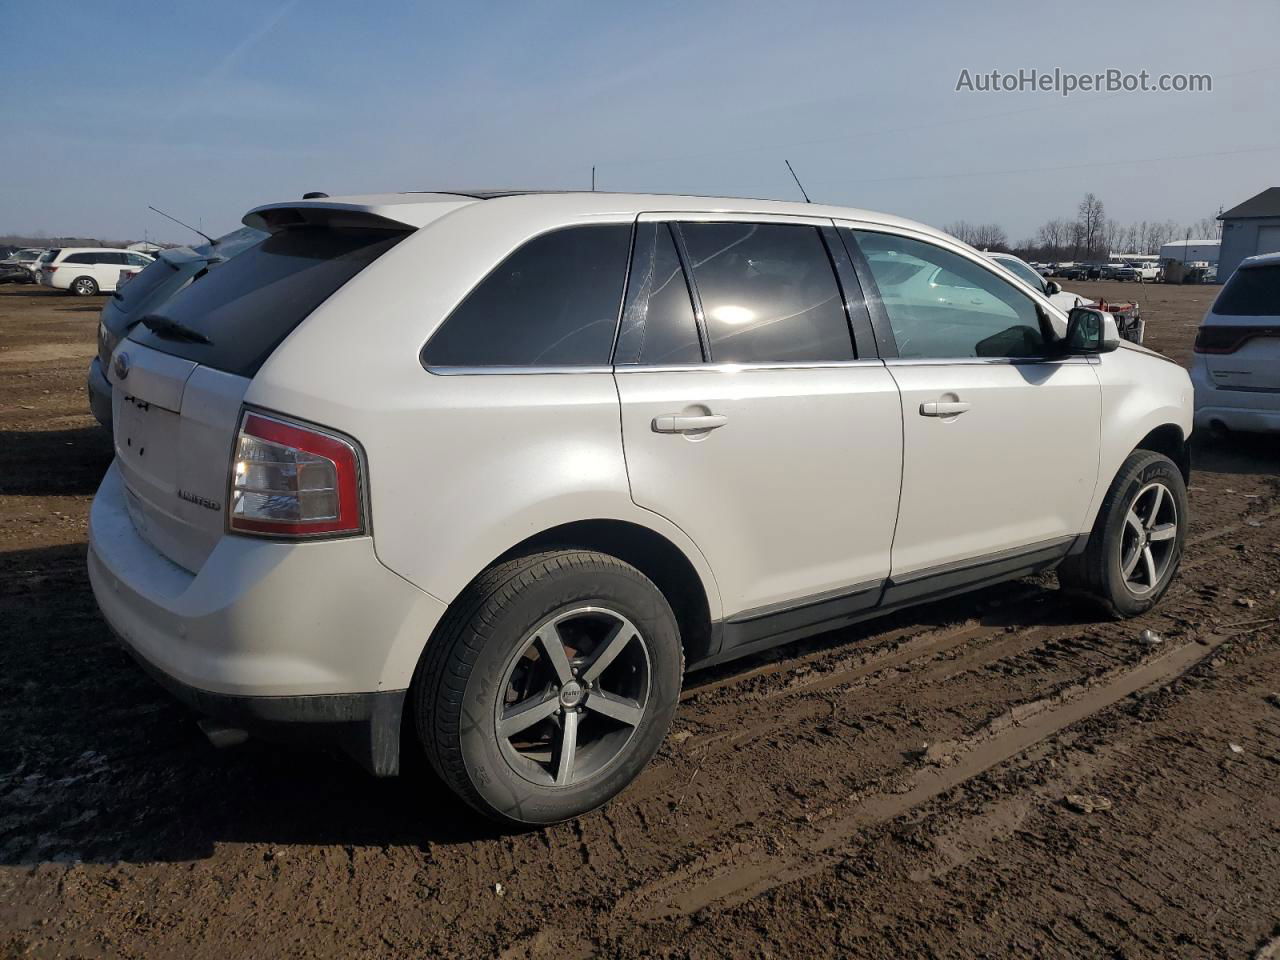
(1149, 539)
(573, 696)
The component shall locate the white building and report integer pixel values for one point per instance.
(1249, 229)
(1190, 251)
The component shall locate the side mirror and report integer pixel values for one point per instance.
(1052, 287)
(1090, 331)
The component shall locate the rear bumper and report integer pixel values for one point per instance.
(312, 640)
(1244, 410)
(99, 391)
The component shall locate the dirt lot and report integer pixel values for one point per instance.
(894, 789)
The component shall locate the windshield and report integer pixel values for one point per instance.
(245, 307)
(1021, 271)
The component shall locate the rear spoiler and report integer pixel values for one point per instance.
(282, 217)
(389, 212)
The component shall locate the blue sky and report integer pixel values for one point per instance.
(205, 109)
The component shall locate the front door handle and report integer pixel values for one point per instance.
(678, 423)
(943, 408)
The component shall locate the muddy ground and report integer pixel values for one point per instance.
(889, 790)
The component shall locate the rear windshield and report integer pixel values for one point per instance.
(1251, 292)
(249, 304)
(152, 278)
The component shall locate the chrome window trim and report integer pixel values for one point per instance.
(729, 367)
(644, 368)
(515, 371)
(973, 361)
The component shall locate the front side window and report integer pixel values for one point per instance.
(768, 293)
(658, 325)
(554, 302)
(943, 305)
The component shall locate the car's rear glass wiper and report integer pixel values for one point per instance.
(172, 329)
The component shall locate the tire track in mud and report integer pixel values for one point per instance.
(749, 868)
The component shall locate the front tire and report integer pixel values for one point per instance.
(1137, 540)
(549, 685)
(84, 287)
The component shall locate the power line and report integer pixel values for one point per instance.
(1067, 166)
(860, 134)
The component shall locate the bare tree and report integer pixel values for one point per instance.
(990, 236)
(962, 230)
(1091, 218)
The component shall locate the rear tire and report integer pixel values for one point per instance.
(84, 287)
(581, 642)
(1137, 540)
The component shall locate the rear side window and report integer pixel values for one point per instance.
(81, 258)
(768, 293)
(1251, 292)
(248, 305)
(554, 302)
(658, 325)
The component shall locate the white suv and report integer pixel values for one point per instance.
(86, 271)
(1236, 370)
(496, 469)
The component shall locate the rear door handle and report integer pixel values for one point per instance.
(943, 408)
(677, 423)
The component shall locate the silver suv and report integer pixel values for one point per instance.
(485, 474)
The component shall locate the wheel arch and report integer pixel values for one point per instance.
(1168, 439)
(653, 554)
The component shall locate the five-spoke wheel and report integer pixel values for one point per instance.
(549, 685)
(1149, 540)
(573, 695)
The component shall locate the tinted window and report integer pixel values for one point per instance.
(943, 305)
(768, 293)
(1251, 292)
(80, 258)
(554, 302)
(136, 259)
(658, 325)
(248, 305)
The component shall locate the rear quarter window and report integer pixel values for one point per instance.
(1251, 292)
(249, 304)
(553, 302)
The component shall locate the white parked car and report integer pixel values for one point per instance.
(86, 271)
(494, 470)
(1236, 369)
(1050, 289)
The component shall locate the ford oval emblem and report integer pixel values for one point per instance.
(122, 365)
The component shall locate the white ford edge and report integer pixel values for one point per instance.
(484, 474)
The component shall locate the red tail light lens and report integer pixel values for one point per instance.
(1224, 339)
(290, 480)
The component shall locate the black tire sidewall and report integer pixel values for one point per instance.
(76, 286)
(502, 790)
(1151, 468)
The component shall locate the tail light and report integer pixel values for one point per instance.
(49, 269)
(1225, 339)
(290, 480)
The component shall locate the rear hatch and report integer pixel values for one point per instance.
(1240, 338)
(179, 379)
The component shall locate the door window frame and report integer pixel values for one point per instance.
(884, 335)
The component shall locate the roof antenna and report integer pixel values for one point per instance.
(797, 180)
(593, 179)
(187, 225)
